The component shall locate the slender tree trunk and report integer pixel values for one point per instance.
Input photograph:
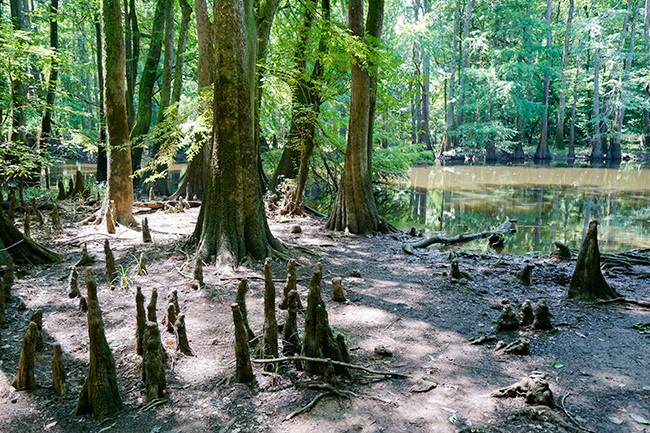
(232, 224)
(614, 154)
(46, 121)
(597, 153)
(559, 131)
(645, 137)
(354, 208)
(543, 153)
(463, 66)
(447, 141)
(147, 82)
(132, 46)
(101, 173)
(17, 131)
(300, 116)
(374, 24)
(571, 153)
(186, 16)
(120, 185)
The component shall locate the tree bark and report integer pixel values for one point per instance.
(354, 208)
(463, 66)
(559, 131)
(597, 152)
(374, 24)
(46, 120)
(614, 154)
(21, 248)
(645, 133)
(186, 16)
(18, 102)
(132, 54)
(120, 184)
(543, 153)
(232, 223)
(147, 82)
(587, 281)
(102, 161)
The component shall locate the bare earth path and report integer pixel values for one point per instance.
(598, 364)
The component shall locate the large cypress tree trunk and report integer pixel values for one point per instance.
(21, 248)
(354, 208)
(186, 16)
(447, 141)
(232, 223)
(463, 67)
(120, 184)
(374, 23)
(597, 152)
(17, 132)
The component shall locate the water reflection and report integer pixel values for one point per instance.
(549, 203)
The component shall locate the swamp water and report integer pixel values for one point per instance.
(549, 203)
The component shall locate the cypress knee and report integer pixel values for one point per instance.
(182, 344)
(24, 378)
(290, 285)
(153, 363)
(172, 310)
(99, 394)
(270, 349)
(9, 277)
(244, 369)
(37, 318)
(73, 285)
(58, 372)
(140, 319)
(587, 281)
(146, 234)
(291, 339)
(54, 216)
(242, 288)
(111, 272)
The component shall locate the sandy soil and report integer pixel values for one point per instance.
(596, 361)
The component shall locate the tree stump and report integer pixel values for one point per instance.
(24, 378)
(291, 284)
(291, 339)
(526, 315)
(182, 343)
(587, 281)
(525, 276)
(146, 234)
(78, 183)
(70, 187)
(26, 224)
(456, 273)
(111, 272)
(8, 277)
(563, 252)
(337, 290)
(534, 388)
(542, 320)
(244, 369)
(318, 340)
(172, 310)
(58, 372)
(152, 196)
(86, 259)
(270, 339)
(153, 363)
(99, 394)
(507, 321)
(38, 216)
(242, 288)
(140, 319)
(54, 216)
(142, 267)
(37, 318)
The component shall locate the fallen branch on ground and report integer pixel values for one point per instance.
(326, 361)
(508, 227)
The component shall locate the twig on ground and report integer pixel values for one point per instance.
(566, 412)
(326, 361)
(308, 407)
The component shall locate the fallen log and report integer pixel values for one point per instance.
(507, 227)
(161, 204)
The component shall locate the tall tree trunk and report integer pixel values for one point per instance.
(46, 120)
(597, 153)
(448, 141)
(463, 66)
(614, 154)
(354, 208)
(543, 153)
(186, 16)
(147, 82)
(192, 183)
(17, 131)
(645, 134)
(559, 130)
(120, 185)
(132, 46)
(232, 224)
(101, 173)
(571, 153)
(300, 116)
(374, 24)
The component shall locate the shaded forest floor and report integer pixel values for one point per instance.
(596, 361)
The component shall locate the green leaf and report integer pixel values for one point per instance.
(557, 365)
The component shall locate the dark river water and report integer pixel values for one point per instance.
(548, 203)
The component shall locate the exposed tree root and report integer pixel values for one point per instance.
(624, 300)
(328, 361)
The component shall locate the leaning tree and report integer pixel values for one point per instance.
(354, 208)
(232, 223)
(20, 247)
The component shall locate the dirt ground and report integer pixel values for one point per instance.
(597, 363)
